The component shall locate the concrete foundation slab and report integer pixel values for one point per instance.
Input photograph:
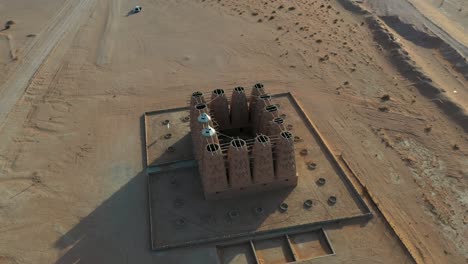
(180, 215)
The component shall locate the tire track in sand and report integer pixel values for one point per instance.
(106, 44)
(10, 47)
(17, 82)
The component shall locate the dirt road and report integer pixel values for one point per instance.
(406, 11)
(66, 21)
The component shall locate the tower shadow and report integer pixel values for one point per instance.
(118, 230)
(115, 231)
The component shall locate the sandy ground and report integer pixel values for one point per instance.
(71, 183)
(30, 19)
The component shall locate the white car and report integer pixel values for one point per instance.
(136, 9)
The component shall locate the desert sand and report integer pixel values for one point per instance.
(76, 77)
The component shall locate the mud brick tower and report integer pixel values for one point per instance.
(240, 142)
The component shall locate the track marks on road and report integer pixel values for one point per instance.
(15, 85)
(106, 44)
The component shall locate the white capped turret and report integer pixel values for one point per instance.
(208, 131)
(204, 118)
